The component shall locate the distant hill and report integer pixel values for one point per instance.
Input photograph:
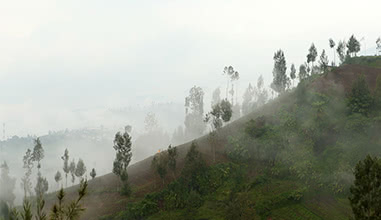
(296, 155)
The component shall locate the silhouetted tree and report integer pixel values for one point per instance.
(38, 153)
(172, 156)
(230, 74)
(42, 185)
(58, 178)
(280, 79)
(312, 54)
(341, 51)
(365, 193)
(122, 146)
(80, 170)
(378, 45)
(323, 61)
(93, 173)
(292, 73)
(66, 167)
(72, 171)
(332, 45)
(303, 74)
(353, 46)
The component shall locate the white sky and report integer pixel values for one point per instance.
(60, 56)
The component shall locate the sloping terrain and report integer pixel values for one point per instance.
(103, 198)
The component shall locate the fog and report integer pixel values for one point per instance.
(72, 67)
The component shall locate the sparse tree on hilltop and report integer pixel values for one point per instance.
(280, 80)
(93, 173)
(312, 54)
(230, 74)
(341, 51)
(353, 46)
(323, 61)
(378, 44)
(303, 74)
(332, 45)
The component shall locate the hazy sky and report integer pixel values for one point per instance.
(57, 57)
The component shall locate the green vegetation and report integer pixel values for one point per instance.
(295, 164)
(372, 61)
(122, 146)
(365, 193)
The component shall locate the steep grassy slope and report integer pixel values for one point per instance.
(307, 178)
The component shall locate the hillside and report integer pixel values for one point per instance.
(295, 155)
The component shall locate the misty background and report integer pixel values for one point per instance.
(71, 69)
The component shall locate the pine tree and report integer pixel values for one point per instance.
(365, 193)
